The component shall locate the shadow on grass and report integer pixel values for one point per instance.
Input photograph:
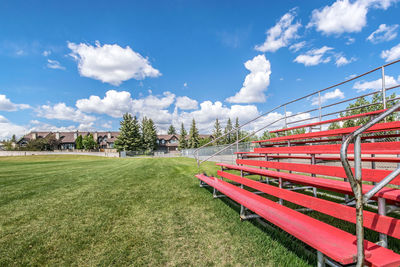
(300, 249)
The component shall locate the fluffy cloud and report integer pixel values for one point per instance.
(7, 129)
(54, 64)
(281, 34)
(61, 111)
(314, 57)
(383, 33)
(391, 54)
(328, 96)
(255, 83)
(185, 103)
(342, 60)
(297, 46)
(7, 105)
(114, 104)
(111, 63)
(377, 84)
(345, 16)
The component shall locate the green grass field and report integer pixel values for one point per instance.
(70, 210)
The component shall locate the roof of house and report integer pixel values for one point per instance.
(69, 137)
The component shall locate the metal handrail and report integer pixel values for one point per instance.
(237, 129)
(356, 178)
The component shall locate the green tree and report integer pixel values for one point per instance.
(267, 135)
(14, 139)
(88, 142)
(193, 136)
(182, 138)
(204, 140)
(78, 142)
(237, 127)
(334, 125)
(149, 135)
(229, 137)
(171, 129)
(217, 132)
(130, 137)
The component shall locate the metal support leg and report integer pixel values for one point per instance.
(266, 178)
(321, 259)
(280, 201)
(313, 162)
(382, 211)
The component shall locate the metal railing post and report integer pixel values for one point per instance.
(383, 88)
(359, 201)
(237, 139)
(285, 117)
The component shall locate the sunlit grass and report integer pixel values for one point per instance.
(70, 210)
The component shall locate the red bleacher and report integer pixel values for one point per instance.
(286, 176)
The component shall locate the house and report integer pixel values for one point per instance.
(67, 140)
(105, 140)
(170, 142)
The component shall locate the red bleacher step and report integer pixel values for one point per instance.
(332, 242)
(322, 183)
(366, 148)
(371, 175)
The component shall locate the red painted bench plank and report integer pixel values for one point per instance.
(327, 158)
(370, 175)
(327, 184)
(333, 242)
(373, 221)
(330, 121)
(366, 148)
(336, 132)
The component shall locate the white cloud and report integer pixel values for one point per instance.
(342, 60)
(61, 111)
(345, 16)
(54, 64)
(114, 104)
(107, 125)
(185, 84)
(297, 46)
(281, 34)
(391, 54)
(46, 53)
(383, 33)
(314, 57)
(376, 85)
(255, 83)
(7, 129)
(350, 40)
(111, 63)
(328, 96)
(7, 105)
(185, 103)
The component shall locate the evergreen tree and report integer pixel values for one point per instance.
(182, 138)
(171, 129)
(78, 142)
(149, 134)
(267, 135)
(229, 137)
(217, 132)
(193, 136)
(237, 127)
(14, 139)
(129, 138)
(88, 142)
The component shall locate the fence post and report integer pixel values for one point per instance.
(383, 88)
(237, 139)
(285, 118)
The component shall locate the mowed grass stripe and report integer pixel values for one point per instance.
(94, 211)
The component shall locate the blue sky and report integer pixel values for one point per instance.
(82, 64)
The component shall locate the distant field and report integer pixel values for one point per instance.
(78, 210)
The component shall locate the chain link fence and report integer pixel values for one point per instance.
(226, 156)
